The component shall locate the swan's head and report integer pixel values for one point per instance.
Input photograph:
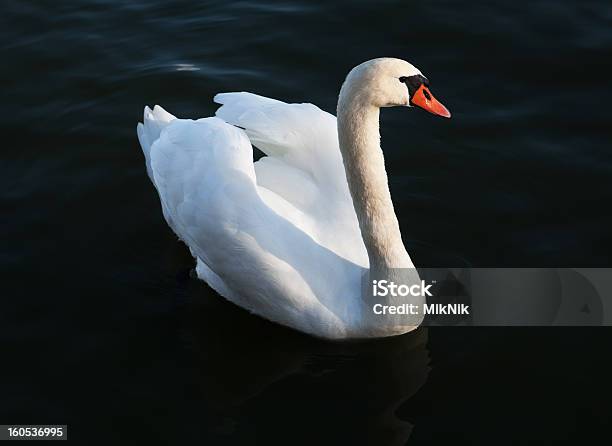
(389, 82)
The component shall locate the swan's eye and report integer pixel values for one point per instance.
(414, 82)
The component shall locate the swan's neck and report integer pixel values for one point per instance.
(359, 138)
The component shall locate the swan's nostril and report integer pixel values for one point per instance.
(426, 94)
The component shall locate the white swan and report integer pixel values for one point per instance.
(293, 236)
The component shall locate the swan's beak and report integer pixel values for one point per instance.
(424, 99)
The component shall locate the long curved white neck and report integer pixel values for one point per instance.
(364, 163)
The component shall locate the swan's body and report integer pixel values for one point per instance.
(281, 236)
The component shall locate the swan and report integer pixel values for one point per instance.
(295, 236)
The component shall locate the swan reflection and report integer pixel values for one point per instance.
(259, 379)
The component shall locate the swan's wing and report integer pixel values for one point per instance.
(303, 167)
(301, 142)
(203, 171)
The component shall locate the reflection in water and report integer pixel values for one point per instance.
(283, 382)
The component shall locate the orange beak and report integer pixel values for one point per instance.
(424, 99)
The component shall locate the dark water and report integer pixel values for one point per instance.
(101, 326)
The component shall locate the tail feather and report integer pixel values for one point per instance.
(149, 130)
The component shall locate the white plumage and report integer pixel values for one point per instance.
(280, 236)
